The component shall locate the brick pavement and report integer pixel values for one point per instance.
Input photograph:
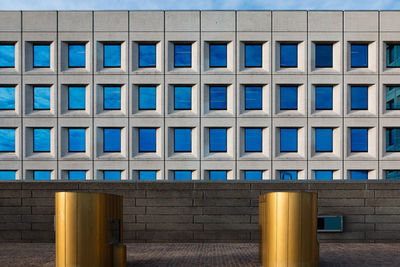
(208, 254)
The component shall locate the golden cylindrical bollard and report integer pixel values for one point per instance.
(288, 229)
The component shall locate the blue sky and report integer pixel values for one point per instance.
(203, 4)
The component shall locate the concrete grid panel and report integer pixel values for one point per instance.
(12, 81)
(64, 166)
(371, 82)
(64, 124)
(70, 80)
(14, 38)
(137, 81)
(191, 38)
(102, 81)
(16, 124)
(387, 123)
(333, 80)
(70, 38)
(263, 81)
(387, 81)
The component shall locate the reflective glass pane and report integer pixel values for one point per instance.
(182, 98)
(41, 175)
(41, 140)
(323, 97)
(253, 97)
(217, 139)
(7, 140)
(253, 55)
(112, 97)
(323, 175)
(218, 55)
(147, 55)
(359, 97)
(393, 139)
(7, 98)
(147, 98)
(288, 55)
(76, 56)
(41, 98)
(323, 140)
(288, 175)
(288, 97)
(112, 55)
(323, 55)
(41, 56)
(253, 175)
(359, 140)
(76, 140)
(253, 139)
(359, 55)
(183, 140)
(76, 97)
(112, 140)
(218, 98)
(183, 175)
(392, 98)
(359, 175)
(147, 175)
(390, 175)
(112, 175)
(217, 175)
(77, 175)
(183, 55)
(147, 140)
(393, 55)
(288, 140)
(7, 56)
(7, 175)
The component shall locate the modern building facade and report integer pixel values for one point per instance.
(199, 95)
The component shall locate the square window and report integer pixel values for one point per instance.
(7, 56)
(182, 55)
(182, 140)
(359, 139)
(111, 55)
(218, 98)
(112, 175)
(392, 55)
(42, 175)
(7, 98)
(217, 139)
(41, 56)
(147, 175)
(253, 97)
(41, 140)
(147, 140)
(288, 139)
(253, 55)
(253, 175)
(147, 56)
(323, 140)
(253, 139)
(359, 55)
(182, 175)
(7, 175)
(182, 97)
(323, 97)
(77, 175)
(41, 98)
(7, 140)
(76, 140)
(147, 97)
(217, 175)
(288, 98)
(323, 56)
(392, 139)
(288, 54)
(76, 56)
(218, 54)
(288, 175)
(76, 98)
(112, 97)
(390, 175)
(112, 139)
(359, 175)
(359, 98)
(323, 175)
(392, 98)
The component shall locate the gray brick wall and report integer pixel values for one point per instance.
(203, 212)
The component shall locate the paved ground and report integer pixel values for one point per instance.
(209, 255)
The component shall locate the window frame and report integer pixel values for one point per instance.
(182, 151)
(155, 140)
(183, 67)
(245, 140)
(13, 45)
(351, 96)
(34, 174)
(389, 134)
(147, 171)
(245, 55)
(331, 95)
(318, 171)
(104, 96)
(33, 97)
(155, 97)
(245, 96)
(182, 86)
(280, 140)
(75, 86)
(183, 171)
(226, 55)
(351, 140)
(69, 140)
(69, 55)
(280, 55)
(9, 151)
(112, 171)
(280, 97)
(282, 173)
(254, 171)
(69, 175)
(226, 140)
(331, 63)
(104, 141)
(8, 86)
(351, 56)
(33, 56)
(33, 140)
(331, 141)
(104, 55)
(155, 56)
(209, 97)
(220, 171)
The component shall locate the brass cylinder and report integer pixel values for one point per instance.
(288, 229)
(87, 225)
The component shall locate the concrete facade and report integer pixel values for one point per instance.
(128, 28)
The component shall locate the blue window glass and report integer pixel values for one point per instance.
(253, 139)
(42, 175)
(77, 175)
(41, 140)
(359, 55)
(288, 97)
(182, 98)
(147, 140)
(76, 140)
(112, 139)
(253, 97)
(323, 97)
(218, 56)
(323, 140)
(390, 175)
(253, 175)
(217, 175)
(393, 139)
(41, 98)
(147, 175)
(253, 55)
(7, 175)
(359, 175)
(288, 175)
(323, 56)
(182, 140)
(7, 56)
(76, 98)
(76, 56)
(288, 140)
(392, 98)
(182, 55)
(147, 55)
(7, 140)
(323, 175)
(288, 55)
(359, 97)
(183, 175)
(7, 98)
(41, 56)
(111, 55)
(112, 175)
(359, 139)
(112, 97)
(217, 139)
(147, 98)
(393, 55)
(218, 98)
